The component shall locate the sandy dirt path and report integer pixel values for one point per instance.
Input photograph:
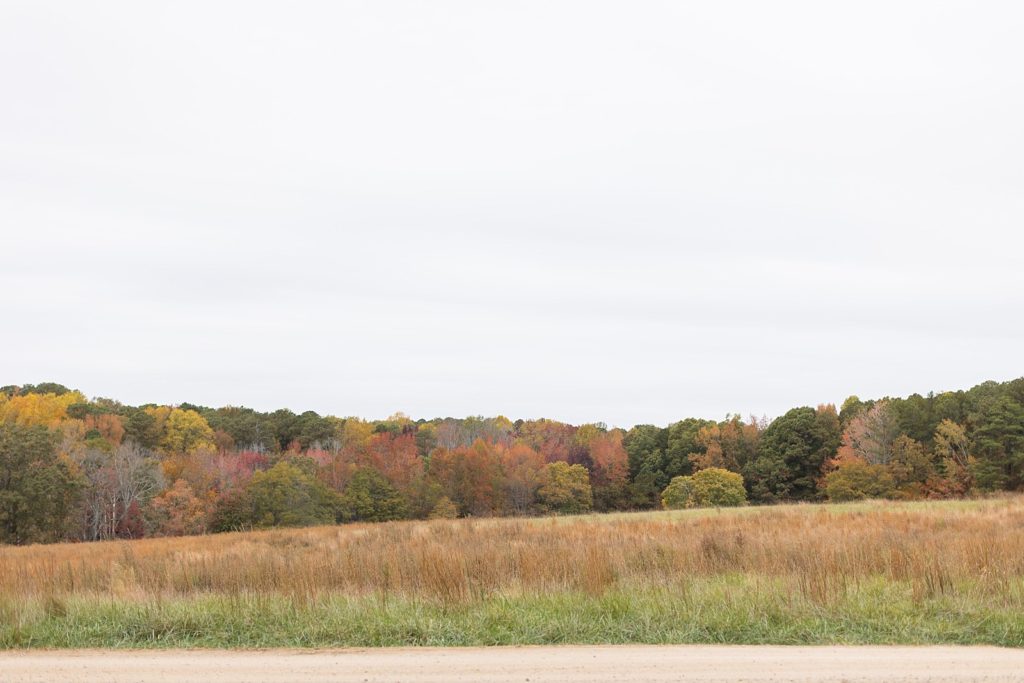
(567, 664)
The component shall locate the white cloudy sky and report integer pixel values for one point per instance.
(628, 212)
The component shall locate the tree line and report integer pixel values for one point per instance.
(72, 468)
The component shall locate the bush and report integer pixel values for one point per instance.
(232, 512)
(855, 479)
(711, 487)
(678, 494)
(445, 509)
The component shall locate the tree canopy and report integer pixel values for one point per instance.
(78, 468)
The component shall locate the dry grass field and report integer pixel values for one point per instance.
(950, 572)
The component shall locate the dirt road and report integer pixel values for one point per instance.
(569, 664)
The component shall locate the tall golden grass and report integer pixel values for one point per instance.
(821, 551)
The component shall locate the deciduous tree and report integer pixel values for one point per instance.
(709, 487)
(284, 495)
(185, 431)
(565, 489)
(521, 466)
(872, 433)
(855, 479)
(370, 497)
(176, 512)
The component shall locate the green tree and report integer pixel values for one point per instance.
(915, 415)
(242, 425)
(645, 445)
(656, 455)
(792, 452)
(314, 431)
(855, 479)
(949, 405)
(718, 487)
(710, 487)
(565, 488)
(851, 407)
(678, 494)
(682, 440)
(284, 427)
(284, 495)
(142, 428)
(369, 497)
(38, 487)
(645, 450)
(644, 491)
(999, 445)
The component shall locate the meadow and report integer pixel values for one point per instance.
(872, 572)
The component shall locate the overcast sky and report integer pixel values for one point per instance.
(624, 212)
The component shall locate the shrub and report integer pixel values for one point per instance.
(445, 509)
(854, 479)
(711, 487)
(232, 512)
(678, 494)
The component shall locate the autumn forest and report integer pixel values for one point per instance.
(72, 468)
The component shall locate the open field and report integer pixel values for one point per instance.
(908, 573)
(566, 664)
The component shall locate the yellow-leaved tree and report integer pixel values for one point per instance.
(186, 431)
(29, 410)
